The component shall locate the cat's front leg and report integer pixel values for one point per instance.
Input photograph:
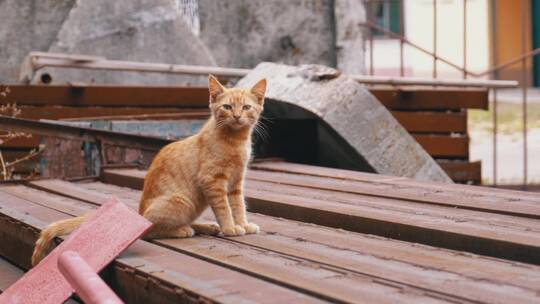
(215, 192)
(238, 206)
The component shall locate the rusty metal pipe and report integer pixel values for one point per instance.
(524, 84)
(464, 39)
(435, 57)
(41, 61)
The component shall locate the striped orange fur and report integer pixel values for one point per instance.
(187, 176)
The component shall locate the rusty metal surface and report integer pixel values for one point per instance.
(79, 133)
(441, 271)
(421, 99)
(303, 256)
(517, 203)
(267, 266)
(149, 272)
(327, 283)
(185, 99)
(432, 122)
(462, 171)
(444, 146)
(108, 96)
(497, 235)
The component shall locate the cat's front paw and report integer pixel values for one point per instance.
(251, 228)
(235, 230)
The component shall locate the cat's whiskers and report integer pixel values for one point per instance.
(261, 131)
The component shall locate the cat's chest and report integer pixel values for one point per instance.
(238, 156)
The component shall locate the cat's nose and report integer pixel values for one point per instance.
(237, 117)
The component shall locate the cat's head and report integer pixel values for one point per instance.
(236, 108)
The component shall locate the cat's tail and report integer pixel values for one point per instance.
(45, 243)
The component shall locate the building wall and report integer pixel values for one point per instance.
(419, 27)
(232, 33)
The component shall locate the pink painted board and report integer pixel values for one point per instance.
(104, 235)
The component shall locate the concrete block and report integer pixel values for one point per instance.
(356, 131)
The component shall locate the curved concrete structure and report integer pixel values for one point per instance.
(355, 131)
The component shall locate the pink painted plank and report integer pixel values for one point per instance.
(86, 282)
(105, 234)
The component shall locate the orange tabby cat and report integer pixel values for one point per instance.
(187, 176)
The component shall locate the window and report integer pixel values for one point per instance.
(386, 14)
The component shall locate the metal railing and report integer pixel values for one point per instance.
(492, 72)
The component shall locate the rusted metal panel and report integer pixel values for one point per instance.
(518, 203)
(463, 171)
(430, 99)
(467, 230)
(438, 271)
(432, 122)
(307, 276)
(79, 133)
(402, 263)
(103, 95)
(63, 158)
(146, 273)
(449, 146)
(197, 97)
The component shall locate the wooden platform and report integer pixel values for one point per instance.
(327, 236)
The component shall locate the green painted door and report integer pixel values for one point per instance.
(535, 17)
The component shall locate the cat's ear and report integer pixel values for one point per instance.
(215, 88)
(259, 89)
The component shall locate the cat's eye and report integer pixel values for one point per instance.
(227, 107)
(246, 107)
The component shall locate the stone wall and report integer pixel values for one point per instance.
(242, 33)
(25, 26)
(232, 33)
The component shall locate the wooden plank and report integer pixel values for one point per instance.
(474, 194)
(444, 145)
(448, 272)
(432, 99)
(432, 122)
(501, 236)
(324, 282)
(462, 171)
(103, 95)
(145, 273)
(104, 235)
